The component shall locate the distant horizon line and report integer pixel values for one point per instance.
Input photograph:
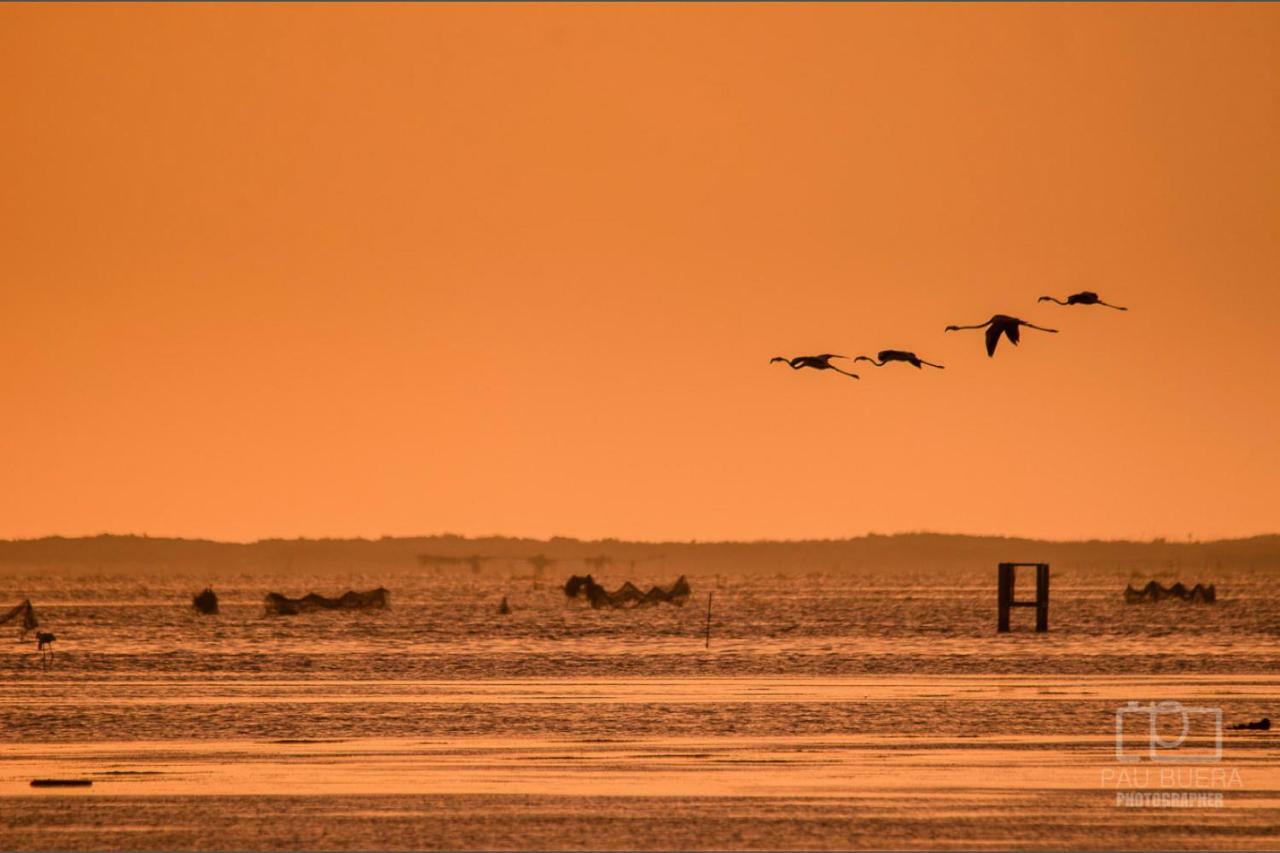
(1157, 540)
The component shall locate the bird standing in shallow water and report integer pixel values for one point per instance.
(1001, 324)
(1084, 297)
(887, 355)
(817, 362)
(44, 645)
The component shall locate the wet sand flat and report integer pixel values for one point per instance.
(1027, 820)
(709, 790)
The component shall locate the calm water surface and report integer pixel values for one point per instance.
(828, 712)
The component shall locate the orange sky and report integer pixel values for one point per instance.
(344, 270)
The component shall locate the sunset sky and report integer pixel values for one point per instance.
(361, 270)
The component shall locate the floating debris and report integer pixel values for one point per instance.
(627, 595)
(61, 783)
(206, 602)
(1263, 725)
(1155, 591)
(374, 599)
(28, 614)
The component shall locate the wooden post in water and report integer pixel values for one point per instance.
(1004, 596)
(1042, 598)
(1006, 600)
(709, 619)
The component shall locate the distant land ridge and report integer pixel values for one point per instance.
(908, 552)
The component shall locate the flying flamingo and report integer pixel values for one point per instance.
(1084, 297)
(1001, 324)
(817, 362)
(888, 355)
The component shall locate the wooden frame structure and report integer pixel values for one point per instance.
(1006, 600)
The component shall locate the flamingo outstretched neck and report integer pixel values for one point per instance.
(887, 355)
(1084, 297)
(815, 362)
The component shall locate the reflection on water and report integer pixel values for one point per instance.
(828, 712)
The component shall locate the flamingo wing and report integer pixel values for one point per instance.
(993, 338)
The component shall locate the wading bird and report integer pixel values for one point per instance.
(44, 645)
(1001, 324)
(1084, 297)
(817, 362)
(887, 355)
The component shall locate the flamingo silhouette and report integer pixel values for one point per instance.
(888, 355)
(1084, 297)
(817, 362)
(1001, 324)
(44, 644)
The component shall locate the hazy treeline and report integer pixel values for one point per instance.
(908, 552)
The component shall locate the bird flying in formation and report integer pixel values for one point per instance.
(817, 362)
(1084, 297)
(887, 355)
(1001, 324)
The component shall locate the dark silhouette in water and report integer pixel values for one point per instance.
(627, 595)
(1001, 324)
(1155, 591)
(504, 609)
(1084, 297)
(817, 362)
(206, 602)
(1263, 725)
(576, 583)
(675, 594)
(707, 644)
(44, 645)
(374, 599)
(28, 614)
(887, 355)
